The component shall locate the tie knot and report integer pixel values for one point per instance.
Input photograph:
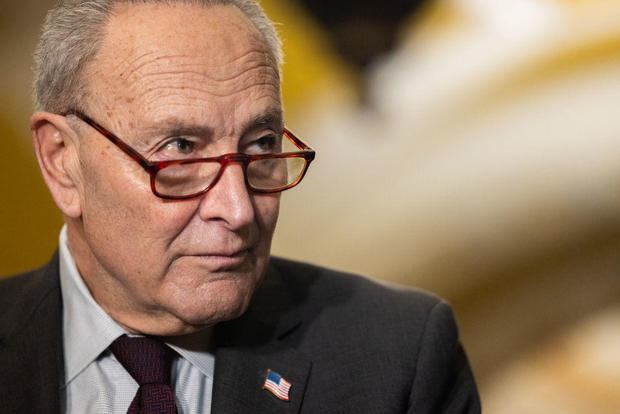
(147, 360)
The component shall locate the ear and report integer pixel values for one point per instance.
(55, 145)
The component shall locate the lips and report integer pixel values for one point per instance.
(223, 253)
(219, 261)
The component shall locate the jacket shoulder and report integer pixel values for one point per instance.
(355, 311)
(21, 294)
(31, 341)
(324, 286)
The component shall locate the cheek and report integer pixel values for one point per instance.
(152, 224)
(119, 205)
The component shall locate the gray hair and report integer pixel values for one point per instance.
(71, 36)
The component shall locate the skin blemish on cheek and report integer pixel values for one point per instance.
(86, 96)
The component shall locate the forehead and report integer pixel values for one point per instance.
(154, 57)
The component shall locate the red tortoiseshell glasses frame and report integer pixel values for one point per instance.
(305, 155)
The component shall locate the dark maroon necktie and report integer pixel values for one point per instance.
(149, 362)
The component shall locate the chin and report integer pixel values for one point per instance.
(228, 300)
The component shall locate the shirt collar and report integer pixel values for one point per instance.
(88, 330)
(196, 348)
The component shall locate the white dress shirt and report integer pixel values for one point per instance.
(95, 382)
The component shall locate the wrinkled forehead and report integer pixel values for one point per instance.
(215, 50)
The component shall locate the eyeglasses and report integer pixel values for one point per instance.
(182, 179)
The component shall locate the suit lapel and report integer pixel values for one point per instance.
(246, 348)
(31, 345)
(240, 376)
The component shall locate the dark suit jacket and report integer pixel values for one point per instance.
(346, 344)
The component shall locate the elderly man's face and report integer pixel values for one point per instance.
(163, 72)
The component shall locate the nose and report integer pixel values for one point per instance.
(229, 200)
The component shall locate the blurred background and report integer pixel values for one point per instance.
(466, 147)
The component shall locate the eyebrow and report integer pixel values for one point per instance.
(177, 127)
(272, 117)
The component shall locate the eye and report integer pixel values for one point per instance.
(177, 147)
(267, 144)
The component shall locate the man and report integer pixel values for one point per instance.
(168, 225)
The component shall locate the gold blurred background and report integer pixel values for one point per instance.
(478, 159)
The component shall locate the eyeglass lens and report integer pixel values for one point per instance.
(180, 180)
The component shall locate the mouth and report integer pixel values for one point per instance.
(223, 261)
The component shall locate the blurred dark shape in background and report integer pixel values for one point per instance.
(364, 30)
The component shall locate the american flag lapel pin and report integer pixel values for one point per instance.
(277, 385)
